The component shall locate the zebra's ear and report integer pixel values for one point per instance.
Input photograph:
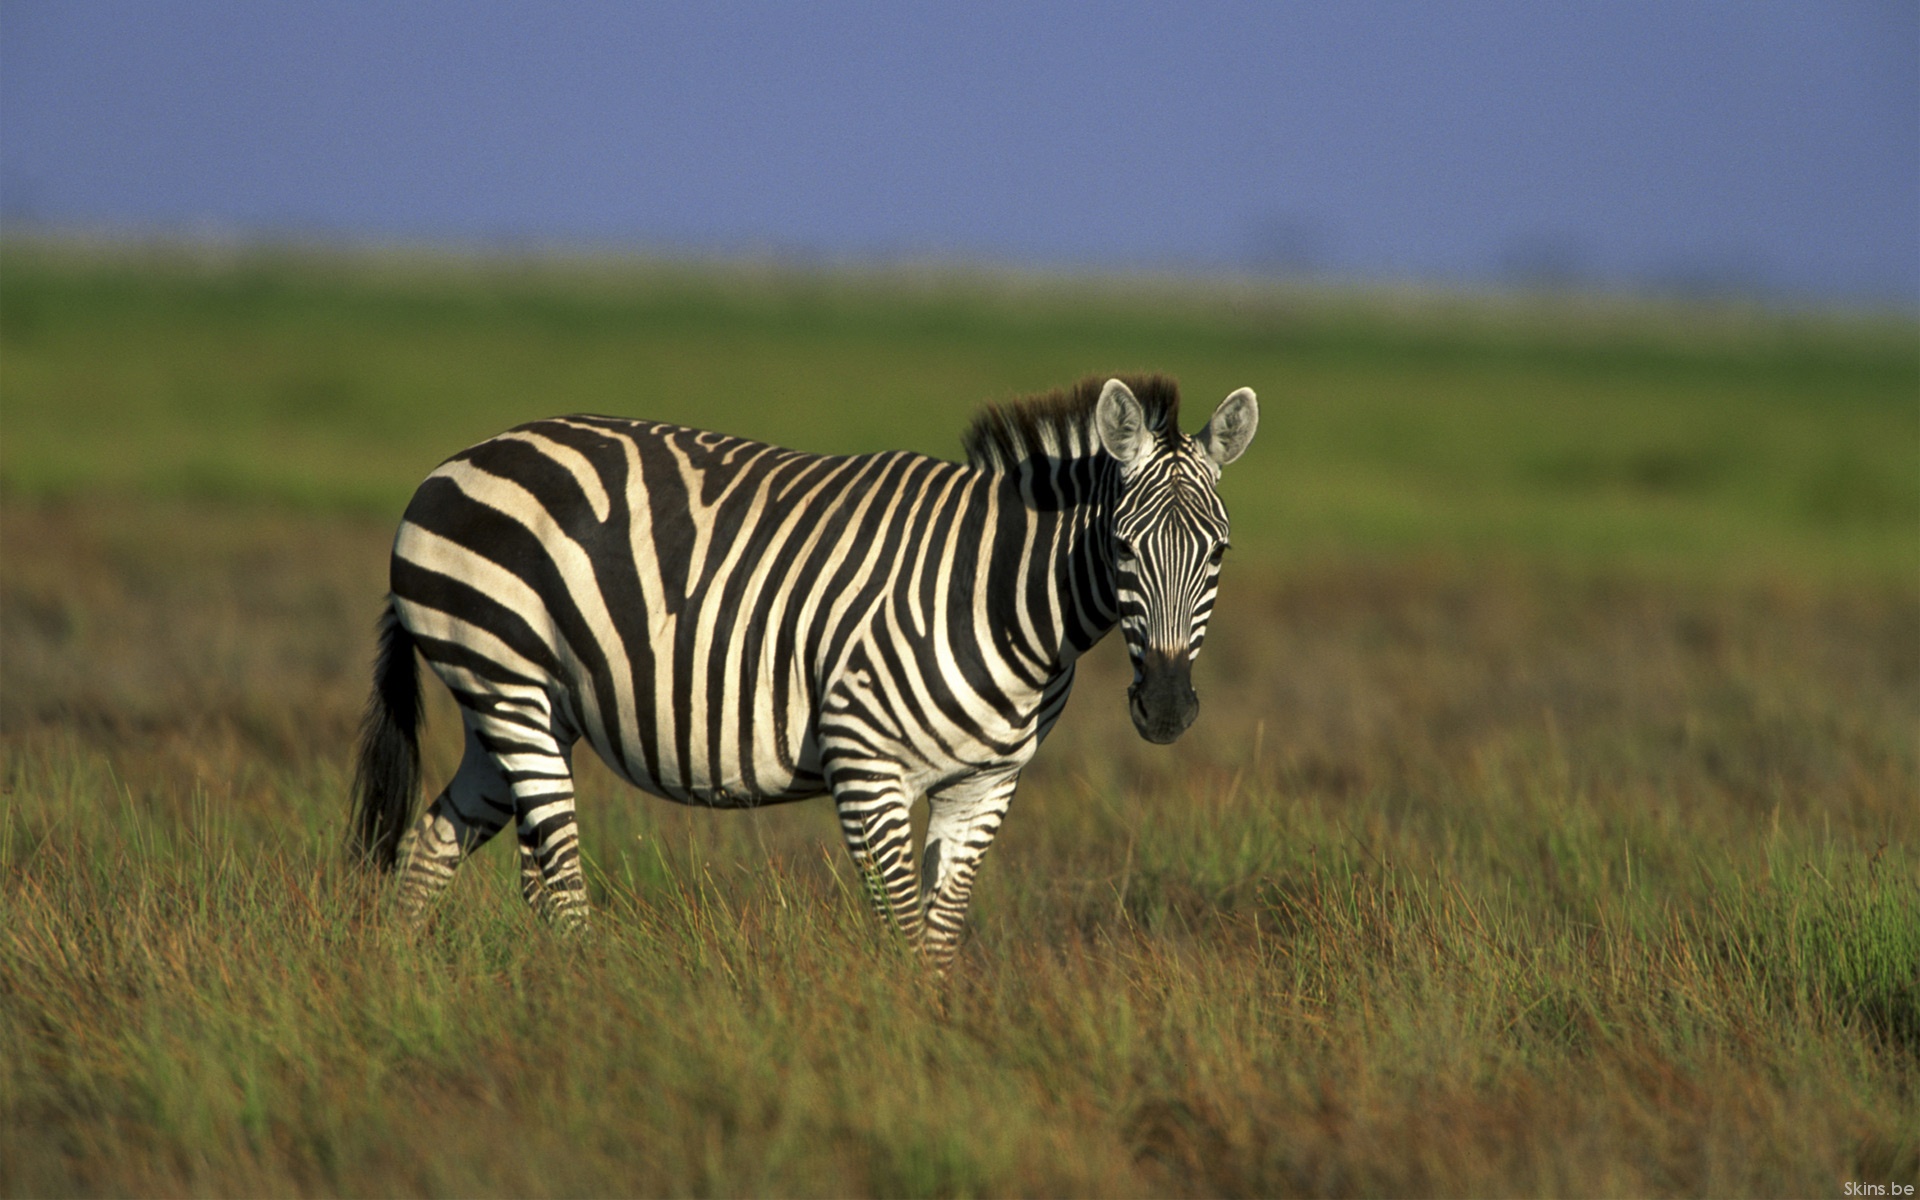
(1121, 423)
(1231, 427)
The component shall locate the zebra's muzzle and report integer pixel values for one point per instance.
(1163, 703)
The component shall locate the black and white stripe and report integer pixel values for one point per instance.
(730, 623)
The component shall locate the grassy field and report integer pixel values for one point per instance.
(1552, 824)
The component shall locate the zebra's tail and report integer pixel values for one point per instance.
(387, 777)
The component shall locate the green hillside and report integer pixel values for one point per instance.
(1570, 431)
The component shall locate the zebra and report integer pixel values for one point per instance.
(729, 623)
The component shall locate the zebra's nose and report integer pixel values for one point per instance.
(1163, 703)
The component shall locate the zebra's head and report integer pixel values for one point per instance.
(1169, 534)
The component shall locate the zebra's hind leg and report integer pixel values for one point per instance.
(533, 887)
(476, 803)
(961, 822)
(541, 775)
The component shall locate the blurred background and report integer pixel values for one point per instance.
(1604, 288)
(1755, 149)
(1599, 281)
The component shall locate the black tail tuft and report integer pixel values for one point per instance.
(387, 776)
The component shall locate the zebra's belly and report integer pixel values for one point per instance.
(770, 784)
(740, 773)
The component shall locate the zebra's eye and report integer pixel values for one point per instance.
(1123, 555)
(1219, 555)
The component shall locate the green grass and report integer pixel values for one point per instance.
(1669, 438)
(1549, 826)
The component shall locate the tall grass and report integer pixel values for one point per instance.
(1280, 1006)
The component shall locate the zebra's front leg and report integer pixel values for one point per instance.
(876, 818)
(962, 821)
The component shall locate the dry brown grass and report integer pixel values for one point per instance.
(1473, 879)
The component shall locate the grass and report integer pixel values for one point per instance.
(1742, 442)
(1549, 827)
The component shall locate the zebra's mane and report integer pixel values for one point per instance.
(1059, 424)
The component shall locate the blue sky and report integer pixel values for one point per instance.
(1756, 145)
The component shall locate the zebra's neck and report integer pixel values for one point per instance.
(1062, 600)
(1046, 448)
